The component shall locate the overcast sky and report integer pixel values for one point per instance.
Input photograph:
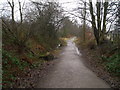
(67, 5)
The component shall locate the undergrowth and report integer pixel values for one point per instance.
(15, 64)
(113, 64)
(11, 66)
(108, 53)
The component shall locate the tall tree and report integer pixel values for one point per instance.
(48, 18)
(20, 10)
(99, 29)
(117, 25)
(12, 6)
(84, 25)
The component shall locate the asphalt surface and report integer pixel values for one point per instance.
(70, 72)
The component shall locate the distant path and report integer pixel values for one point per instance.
(70, 72)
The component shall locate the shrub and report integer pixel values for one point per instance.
(113, 64)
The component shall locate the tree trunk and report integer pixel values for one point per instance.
(20, 10)
(84, 25)
(98, 5)
(104, 21)
(96, 32)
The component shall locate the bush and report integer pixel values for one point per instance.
(90, 44)
(113, 64)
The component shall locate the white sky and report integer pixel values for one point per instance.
(67, 5)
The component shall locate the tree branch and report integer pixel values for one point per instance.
(78, 16)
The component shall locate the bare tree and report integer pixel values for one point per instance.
(99, 29)
(20, 10)
(12, 6)
(99, 17)
(84, 25)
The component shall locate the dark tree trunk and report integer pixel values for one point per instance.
(98, 17)
(20, 10)
(104, 21)
(96, 32)
(99, 30)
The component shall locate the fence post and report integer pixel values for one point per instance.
(0, 54)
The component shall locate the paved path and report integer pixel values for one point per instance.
(70, 72)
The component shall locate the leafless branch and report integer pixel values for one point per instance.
(78, 16)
